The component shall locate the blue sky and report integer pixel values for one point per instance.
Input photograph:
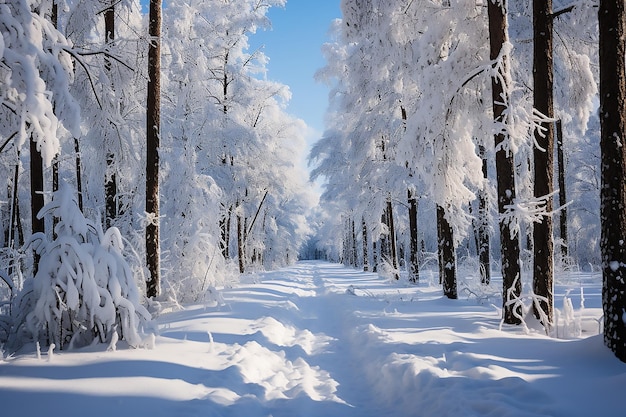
(293, 46)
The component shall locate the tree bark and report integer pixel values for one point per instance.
(241, 253)
(414, 273)
(612, 22)
(79, 175)
(365, 246)
(36, 188)
(54, 18)
(392, 238)
(562, 190)
(355, 256)
(110, 180)
(153, 130)
(447, 259)
(225, 231)
(505, 167)
(483, 225)
(543, 154)
(374, 257)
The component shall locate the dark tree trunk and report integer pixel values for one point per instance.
(385, 249)
(562, 190)
(223, 236)
(110, 180)
(612, 19)
(483, 246)
(241, 253)
(365, 245)
(15, 213)
(79, 175)
(543, 247)
(447, 260)
(36, 188)
(225, 232)
(54, 18)
(414, 272)
(153, 129)
(505, 170)
(393, 252)
(355, 256)
(374, 257)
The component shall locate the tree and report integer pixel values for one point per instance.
(84, 289)
(153, 131)
(505, 166)
(543, 159)
(35, 99)
(612, 20)
(110, 69)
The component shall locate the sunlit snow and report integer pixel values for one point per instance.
(318, 339)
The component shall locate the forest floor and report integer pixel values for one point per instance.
(319, 339)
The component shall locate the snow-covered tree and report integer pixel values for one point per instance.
(36, 104)
(84, 289)
(227, 125)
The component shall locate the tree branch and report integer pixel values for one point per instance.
(7, 141)
(562, 11)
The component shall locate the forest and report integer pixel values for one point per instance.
(148, 158)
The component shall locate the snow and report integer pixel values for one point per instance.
(319, 339)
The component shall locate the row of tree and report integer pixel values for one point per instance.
(453, 106)
(170, 137)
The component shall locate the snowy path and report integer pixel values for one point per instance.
(319, 339)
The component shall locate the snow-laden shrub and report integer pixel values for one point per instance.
(83, 290)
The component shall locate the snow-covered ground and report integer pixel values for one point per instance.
(318, 339)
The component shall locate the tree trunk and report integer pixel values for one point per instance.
(562, 190)
(414, 272)
(36, 188)
(483, 225)
(385, 251)
(15, 212)
(543, 245)
(79, 175)
(612, 19)
(393, 252)
(241, 253)
(365, 247)
(153, 129)
(505, 167)
(110, 180)
(447, 260)
(355, 256)
(374, 257)
(54, 18)
(225, 231)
